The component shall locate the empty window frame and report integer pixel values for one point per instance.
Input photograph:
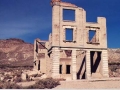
(69, 14)
(92, 36)
(41, 45)
(69, 34)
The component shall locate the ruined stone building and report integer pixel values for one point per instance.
(71, 51)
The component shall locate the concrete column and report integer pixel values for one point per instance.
(88, 65)
(105, 63)
(74, 65)
(55, 62)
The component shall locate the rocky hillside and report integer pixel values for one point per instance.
(114, 62)
(16, 52)
(114, 56)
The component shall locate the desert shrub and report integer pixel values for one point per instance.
(45, 83)
(37, 86)
(10, 86)
(50, 83)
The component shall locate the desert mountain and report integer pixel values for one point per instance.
(16, 52)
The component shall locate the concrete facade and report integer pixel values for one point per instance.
(82, 57)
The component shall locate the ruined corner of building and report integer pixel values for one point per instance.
(76, 49)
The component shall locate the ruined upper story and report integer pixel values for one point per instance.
(75, 33)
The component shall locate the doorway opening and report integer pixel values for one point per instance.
(95, 57)
(68, 69)
(81, 64)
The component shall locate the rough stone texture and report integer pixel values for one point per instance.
(55, 62)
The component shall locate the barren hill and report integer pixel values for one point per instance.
(16, 52)
(114, 56)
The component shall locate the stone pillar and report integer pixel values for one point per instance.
(74, 77)
(105, 63)
(88, 65)
(55, 62)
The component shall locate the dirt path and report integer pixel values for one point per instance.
(89, 85)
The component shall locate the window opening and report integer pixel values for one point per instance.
(69, 14)
(92, 36)
(69, 34)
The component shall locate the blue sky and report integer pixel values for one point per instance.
(30, 19)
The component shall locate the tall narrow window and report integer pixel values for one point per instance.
(69, 35)
(69, 14)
